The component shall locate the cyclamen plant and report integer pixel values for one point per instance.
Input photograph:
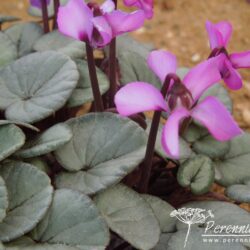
(84, 166)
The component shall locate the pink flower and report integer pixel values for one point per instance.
(145, 5)
(95, 24)
(182, 100)
(38, 4)
(219, 36)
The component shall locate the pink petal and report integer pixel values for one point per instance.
(216, 118)
(219, 34)
(215, 38)
(122, 22)
(162, 63)
(145, 5)
(225, 28)
(231, 76)
(170, 134)
(74, 20)
(130, 2)
(138, 97)
(203, 76)
(107, 6)
(102, 33)
(240, 60)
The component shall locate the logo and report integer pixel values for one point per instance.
(213, 233)
(191, 216)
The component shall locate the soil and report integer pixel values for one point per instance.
(179, 26)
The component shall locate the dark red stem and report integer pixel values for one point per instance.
(93, 78)
(112, 68)
(146, 166)
(56, 7)
(45, 16)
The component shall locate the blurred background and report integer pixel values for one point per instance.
(179, 26)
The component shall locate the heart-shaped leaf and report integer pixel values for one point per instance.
(58, 42)
(83, 91)
(233, 168)
(30, 194)
(105, 146)
(40, 163)
(163, 242)
(3, 199)
(8, 50)
(37, 85)
(73, 220)
(211, 147)
(194, 133)
(133, 67)
(239, 192)
(12, 138)
(198, 173)
(162, 212)
(24, 36)
(48, 141)
(130, 216)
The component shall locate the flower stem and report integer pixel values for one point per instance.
(112, 68)
(146, 166)
(45, 16)
(56, 7)
(93, 78)
(112, 72)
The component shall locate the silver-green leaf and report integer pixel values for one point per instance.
(3, 199)
(197, 173)
(83, 92)
(12, 138)
(73, 220)
(30, 195)
(48, 141)
(130, 216)
(105, 146)
(35, 86)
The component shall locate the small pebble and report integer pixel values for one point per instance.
(196, 58)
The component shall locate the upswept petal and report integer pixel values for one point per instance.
(170, 133)
(204, 75)
(122, 22)
(216, 118)
(138, 97)
(240, 60)
(162, 63)
(74, 20)
(214, 36)
(219, 34)
(231, 76)
(145, 5)
(108, 6)
(102, 33)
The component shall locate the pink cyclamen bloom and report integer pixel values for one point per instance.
(38, 3)
(95, 24)
(182, 100)
(145, 5)
(219, 36)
